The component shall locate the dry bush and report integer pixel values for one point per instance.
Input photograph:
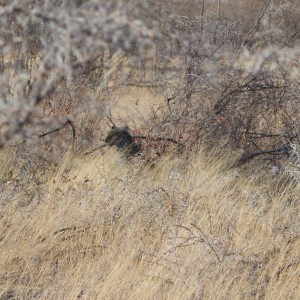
(59, 61)
(187, 227)
(235, 86)
(228, 73)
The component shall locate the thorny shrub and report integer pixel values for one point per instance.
(236, 85)
(229, 71)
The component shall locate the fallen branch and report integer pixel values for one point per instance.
(284, 150)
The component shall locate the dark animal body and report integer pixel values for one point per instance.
(123, 140)
(119, 137)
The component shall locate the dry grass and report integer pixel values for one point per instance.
(98, 227)
(188, 226)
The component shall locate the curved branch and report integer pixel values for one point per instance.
(285, 149)
(95, 149)
(59, 128)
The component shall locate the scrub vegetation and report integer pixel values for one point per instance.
(204, 204)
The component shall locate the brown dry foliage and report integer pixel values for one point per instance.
(223, 81)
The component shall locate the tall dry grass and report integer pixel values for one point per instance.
(186, 226)
(190, 227)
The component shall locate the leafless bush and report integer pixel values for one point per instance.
(229, 91)
(228, 71)
(52, 51)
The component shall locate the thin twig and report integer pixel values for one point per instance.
(95, 149)
(157, 139)
(59, 128)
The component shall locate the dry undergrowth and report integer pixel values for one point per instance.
(78, 223)
(98, 227)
